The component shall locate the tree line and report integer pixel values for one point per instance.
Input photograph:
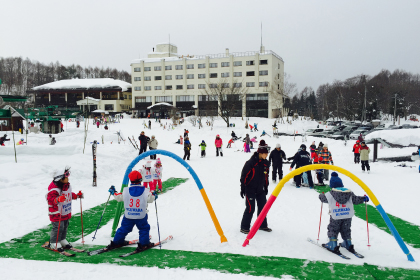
(19, 75)
(386, 93)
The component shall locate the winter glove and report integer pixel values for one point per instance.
(242, 193)
(112, 190)
(155, 194)
(353, 150)
(80, 195)
(366, 198)
(61, 198)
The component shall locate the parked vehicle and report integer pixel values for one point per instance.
(315, 131)
(355, 134)
(338, 135)
(409, 126)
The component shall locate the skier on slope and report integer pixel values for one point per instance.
(187, 148)
(3, 139)
(157, 175)
(135, 198)
(59, 199)
(146, 173)
(341, 201)
(254, 186)
(277, 156)
(203, 146)
(356, 151)
(218, 143)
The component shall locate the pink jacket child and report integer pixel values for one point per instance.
(218, 143)
(157, 175)
(59, 198)
(146, 174)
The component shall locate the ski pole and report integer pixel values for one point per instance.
(81, 216)
(157, 220)
(58, 231)
(320, 216)
(367, 223)
(106, 204)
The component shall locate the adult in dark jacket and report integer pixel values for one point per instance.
(254, 186)
(234, 137)
(143, 142)
(277, 156)
(302, 158)
(187, 148)
(150, 124)
(3, 139)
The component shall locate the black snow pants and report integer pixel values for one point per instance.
(356, 157)
(365, 163)
(299, 179)
(187, 154)
(142, 149)
(277, 169)
(250, 209)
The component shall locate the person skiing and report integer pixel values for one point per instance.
(153, 144)
(254, 186)
(21, 142)
(229, 145)
(251, 127)
(234, 137)
(255, 127)
(146, 174)
(62, 126)
(302, 158)
(356, 151)
(59, 198)
(97, 123)
(247, 142)
(53, 141)
(263, 133)
(77, 123)
(218, 143)
(135, 198)
(253, 140)
(157, 175)
(276, 157)
(143, 142)
(364, 156)
(203, 148)
(187, 148)
(341, 201)
(325, 158)
(3, 139)
(150, 124)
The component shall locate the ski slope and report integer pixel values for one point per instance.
(182, 213)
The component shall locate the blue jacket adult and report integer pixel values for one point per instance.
(301, 158)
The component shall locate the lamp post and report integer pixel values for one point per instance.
(395, 107)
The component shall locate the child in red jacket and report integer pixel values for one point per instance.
(59, 199)
(356, 151)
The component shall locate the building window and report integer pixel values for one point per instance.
(237, 74)
(168, 87)
(168, 77)
(137, 88)
(207, 98)
(147, 78)
(225, 64)
(278, 66)
(225, 85)
(147, 69)
(136, 79)
(250, 62)
(278, 76)
(201, 76)
(237, 85)
(179, 87)
(212, 85)
(148, 88)
(250, 73)
(190, 76)
(190, 66)
(201, 86)
(163, 99)
(109, 107)
(168, 67)
(253, 97)
(263, 84)
(178, 77)
(138, 69)
(201, 66)
(143, 99)
(158, 87)
(264, 73)
(237, 63)
(178, 67)
(225, 75)
(158, 68)
(264, 62)
(213, 75)
(213, 65)
(250, 84)
(278, 86)
(185, 98)
(190, 86)
(158, 78)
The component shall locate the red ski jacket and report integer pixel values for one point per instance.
(52, 203)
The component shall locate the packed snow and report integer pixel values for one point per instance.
(182, 213)
(85, 83)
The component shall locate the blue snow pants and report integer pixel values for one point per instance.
(127, 226)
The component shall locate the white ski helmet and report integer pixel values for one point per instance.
(59, 174)
(148, 164)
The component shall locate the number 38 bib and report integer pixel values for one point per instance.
(135, 206)
(340, 211)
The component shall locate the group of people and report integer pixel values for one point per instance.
(361, 154)
(147, 141)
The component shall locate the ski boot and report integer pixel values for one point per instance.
(59, 247)
(332, 245)
(266, 229)
(65, 244)
(246, 231)
(347, 244)
(144, 247)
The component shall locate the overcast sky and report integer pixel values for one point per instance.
(320, 41)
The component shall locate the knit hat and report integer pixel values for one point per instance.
(325, 146)
(335, 181)
(217, 135)
(278, 146)
(202, 141)
(262, 147)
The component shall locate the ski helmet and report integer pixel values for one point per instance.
(303, 147)
(135, 176)
(58, 175)
(148, 164)
(5, 135)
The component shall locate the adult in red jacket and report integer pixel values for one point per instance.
(59, 199)
(356, 151)
(218, 143)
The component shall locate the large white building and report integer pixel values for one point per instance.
(181, 80)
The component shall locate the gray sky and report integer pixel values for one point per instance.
(319, 40)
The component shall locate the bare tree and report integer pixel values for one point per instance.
(228, 96)
(193, 120)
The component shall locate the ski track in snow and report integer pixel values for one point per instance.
(182, 213)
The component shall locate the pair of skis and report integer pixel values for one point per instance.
(105, 249)
(64, 253)
(336, 253)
